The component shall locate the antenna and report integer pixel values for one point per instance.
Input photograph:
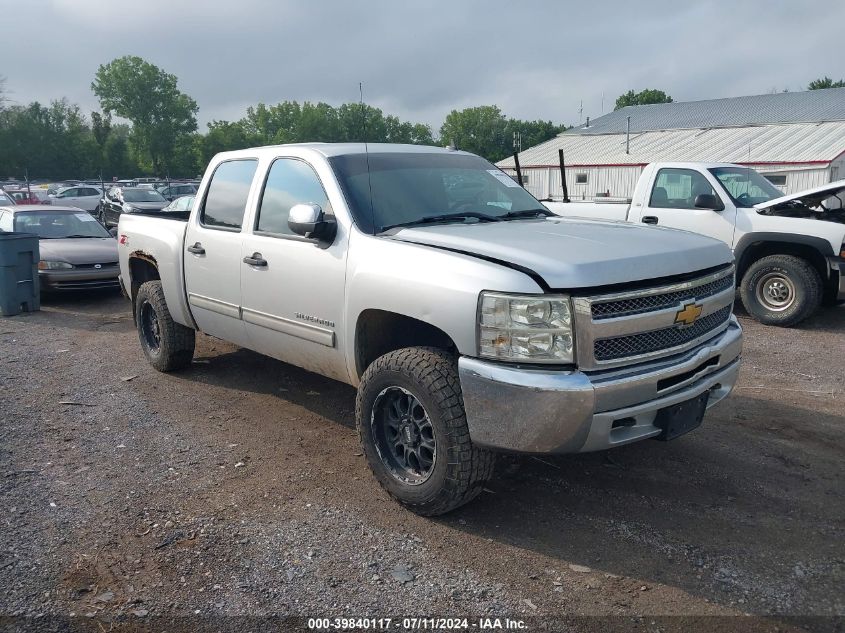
(367, 153)
(581, 112)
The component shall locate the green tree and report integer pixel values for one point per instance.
(482, 130)
(644, 97)
(147, 96)
(223, 136)
(485, 130)
(825, 82)
(52, 141)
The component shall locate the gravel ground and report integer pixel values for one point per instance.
(235, 494)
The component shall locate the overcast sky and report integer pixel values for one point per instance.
(419, 59)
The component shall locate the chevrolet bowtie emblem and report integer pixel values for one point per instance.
(689, 313)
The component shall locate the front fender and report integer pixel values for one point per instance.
(423, 282)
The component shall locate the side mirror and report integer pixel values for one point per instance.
(309, 221)
(708, 201)
(113, 231)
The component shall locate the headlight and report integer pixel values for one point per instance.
(527, 328)
(49, 265)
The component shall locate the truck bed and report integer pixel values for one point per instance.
(160, 240)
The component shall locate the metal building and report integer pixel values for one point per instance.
(795, 139)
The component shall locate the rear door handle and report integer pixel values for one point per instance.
(196, 249)
(650, 219)
(255, 260)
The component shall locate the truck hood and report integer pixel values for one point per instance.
(809, 197)
(577, 253)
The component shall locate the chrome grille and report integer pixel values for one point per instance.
(641, 305)
(614, 330)
(666, 338)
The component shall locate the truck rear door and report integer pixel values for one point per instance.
(671, 202)
(213, 243)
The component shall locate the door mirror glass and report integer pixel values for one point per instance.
(708, 201)
(308, 220)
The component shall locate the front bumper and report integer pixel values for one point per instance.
(79, 279)
(530, 410)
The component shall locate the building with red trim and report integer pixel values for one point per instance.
(796, 140)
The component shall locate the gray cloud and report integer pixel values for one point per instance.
(421, 59)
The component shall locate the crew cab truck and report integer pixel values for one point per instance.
(469, 317)
(790, 250)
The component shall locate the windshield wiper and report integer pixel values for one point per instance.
(445, 217)
(64, 237)
(527, 213)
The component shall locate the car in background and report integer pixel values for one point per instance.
(121, 200)
(77, 252)
(23, 196)
(175, 190)
(83, 197)
(180, 207)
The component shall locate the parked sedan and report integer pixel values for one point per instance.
(82, 196)
(174, 190)
(23, 196)
(180, 207)
(127, 200)
(76, 251)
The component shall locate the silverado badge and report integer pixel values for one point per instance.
(689, 313)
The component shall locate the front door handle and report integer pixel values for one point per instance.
(196, 249)
(650, 219)
(255, 260)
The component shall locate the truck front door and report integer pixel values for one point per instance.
(293, 287)
(671, 203)
(213, 251)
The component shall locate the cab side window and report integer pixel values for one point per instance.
(678, 188)
(228, 190)
(290, 182)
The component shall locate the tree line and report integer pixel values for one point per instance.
(161, 137)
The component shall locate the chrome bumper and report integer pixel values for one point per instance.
(543, 411)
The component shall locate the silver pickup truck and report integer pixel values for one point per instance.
(470, 318)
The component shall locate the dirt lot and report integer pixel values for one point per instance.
(235, 494)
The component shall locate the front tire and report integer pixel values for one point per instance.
(166, 344)
(412, 424)
(781, 290)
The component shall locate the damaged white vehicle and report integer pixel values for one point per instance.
(790, 250)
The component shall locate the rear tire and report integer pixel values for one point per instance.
(781, 290)
(412, 424)
(166, 344)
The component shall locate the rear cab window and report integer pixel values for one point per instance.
(225, 201)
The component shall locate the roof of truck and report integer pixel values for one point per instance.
(344, 149)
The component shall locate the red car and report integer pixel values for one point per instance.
(22, 196)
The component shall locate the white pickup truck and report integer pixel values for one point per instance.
(470, 318)
(790, 250)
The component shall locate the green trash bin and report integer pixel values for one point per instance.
(19, 290)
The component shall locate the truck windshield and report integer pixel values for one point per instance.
(745, 186)
(409, 188)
